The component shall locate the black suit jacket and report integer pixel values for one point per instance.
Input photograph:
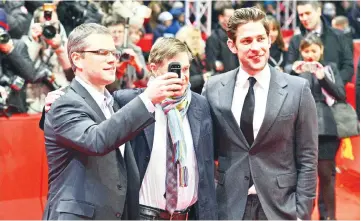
(201, 128)
(88, 176)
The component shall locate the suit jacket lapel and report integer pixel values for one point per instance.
(76, 86)
(225, 98)
(194, 117)
(275, 99)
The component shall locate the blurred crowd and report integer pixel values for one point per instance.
(33, 36)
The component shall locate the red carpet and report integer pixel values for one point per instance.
(347, 197)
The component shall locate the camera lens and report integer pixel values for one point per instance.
(49, 31)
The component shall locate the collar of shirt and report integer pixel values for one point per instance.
(103, 100)
(263, 78)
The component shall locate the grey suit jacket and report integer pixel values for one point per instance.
(88, 176)
(283, 157)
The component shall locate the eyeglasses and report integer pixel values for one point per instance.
(104, 52)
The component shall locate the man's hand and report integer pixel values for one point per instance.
(51, 97)
(7, 48)
(36, 31)
(161, 87)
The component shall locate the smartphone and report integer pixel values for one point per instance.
(309, 67)
(175, 67)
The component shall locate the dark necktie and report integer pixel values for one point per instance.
(247, 113)
(247, 117)
(171, 189)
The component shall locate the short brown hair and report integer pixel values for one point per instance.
(167, 48)
(111, 20)
(341, 20)
(310, 39)
(315, 4)
(243, 16)
(77, 38)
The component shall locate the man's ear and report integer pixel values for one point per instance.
(269, 41)
(152, 67)
(232, 46)
(76, 58)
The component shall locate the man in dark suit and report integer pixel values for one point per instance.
(92, 170)
(196, 199)
(265, 124)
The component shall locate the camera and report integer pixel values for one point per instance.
(13, 84)
(48, 77)
(49, 31)
(4, 36)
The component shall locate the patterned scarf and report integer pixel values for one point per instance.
(175, 109)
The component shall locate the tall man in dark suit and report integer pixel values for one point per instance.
(194, 193)
(265, 126)
(92, 170)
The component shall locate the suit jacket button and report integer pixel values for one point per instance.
(246, 178)
(147, 158)
(118, 215)
(119, 187)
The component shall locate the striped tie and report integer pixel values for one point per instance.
(171, 191)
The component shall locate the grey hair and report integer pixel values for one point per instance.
(77, 38)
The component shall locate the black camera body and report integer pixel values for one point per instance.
(48, 77)
(4, 36)
(11, 85)
(49, 31)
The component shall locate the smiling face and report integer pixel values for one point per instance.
(251, 46)
(96, 63)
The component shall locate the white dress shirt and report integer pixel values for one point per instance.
(105, 102)
(260, 92)
(153, 185)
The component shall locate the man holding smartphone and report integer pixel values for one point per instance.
(174, 155)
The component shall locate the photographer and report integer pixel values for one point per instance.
(46, 46)
(131, 66)
(16, 66)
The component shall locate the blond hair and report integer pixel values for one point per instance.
(167, 48)
(243, 16)
(193, 38)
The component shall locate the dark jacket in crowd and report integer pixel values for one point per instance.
(18, 63)
(217, 49)
(18, 17)
(336, 50)
(354, 18)
(196, 71)
(326, 122)
(277, 56)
